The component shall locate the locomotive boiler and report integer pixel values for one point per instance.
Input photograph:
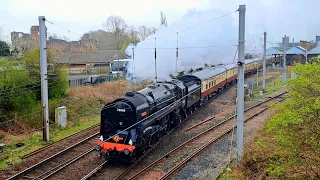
(134, 123)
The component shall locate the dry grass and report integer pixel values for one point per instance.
(105, 92)
(83, 101)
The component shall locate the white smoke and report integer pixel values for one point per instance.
(220, 32)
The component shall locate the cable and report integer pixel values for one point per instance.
(110, 105)
(19, 117)
(174, 103)
(34, 88)
(197, 25)
(63, 27)
(24, 86)
(193, 47)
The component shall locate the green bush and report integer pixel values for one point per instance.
(20, 86)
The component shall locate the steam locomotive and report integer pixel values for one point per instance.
(132, 124)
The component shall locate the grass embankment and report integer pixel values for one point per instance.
(83, 110)
(288, 147)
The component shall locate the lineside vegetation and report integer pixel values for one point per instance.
(288, 147)
(83, 110)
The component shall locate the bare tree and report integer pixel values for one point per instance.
(22, 45)
(133, 35)
(144, 32)
(153, 30)
(163, 19)
(116, 26)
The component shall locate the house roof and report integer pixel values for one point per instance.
(296, 50)
(274, 50)
(90, 57)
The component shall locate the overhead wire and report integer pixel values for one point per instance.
(169, 34)
(62, 27)
(192, 47)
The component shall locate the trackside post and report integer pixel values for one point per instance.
(240, 89)
(44, 77)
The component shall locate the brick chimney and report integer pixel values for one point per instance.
(34, 31)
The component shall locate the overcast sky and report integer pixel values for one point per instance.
(296, 18)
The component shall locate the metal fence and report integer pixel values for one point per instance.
(89, 70)
(91, 80)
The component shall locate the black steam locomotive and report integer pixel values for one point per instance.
(134, 123)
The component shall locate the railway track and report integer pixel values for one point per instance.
(51, 165)
(48, 167)
(124, 171)
(51, 145)
(168, 164)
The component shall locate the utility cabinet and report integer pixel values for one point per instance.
(61, 116)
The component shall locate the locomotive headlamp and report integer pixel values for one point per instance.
(126, 151)
(98, 148)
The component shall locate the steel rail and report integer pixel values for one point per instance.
(202, 133)
(93, 172)
(53, 171)
(51, 157)
(204, 147)
(50, 145)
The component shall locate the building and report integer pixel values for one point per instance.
(24, 41)
(21, 42)
(302, 53)
(285, 41)
(34, 31)
(80, 62)
(84, 45)
(317, 39)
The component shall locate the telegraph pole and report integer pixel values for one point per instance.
(132, 58)
(284, 74)
(118, 59)
(44, 77)
(306, 55)
(284, 51)
(264, 63)
(240, 89)
(155, 59)
(177, 55)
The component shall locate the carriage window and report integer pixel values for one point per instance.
(215, 82)
(206, 86)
